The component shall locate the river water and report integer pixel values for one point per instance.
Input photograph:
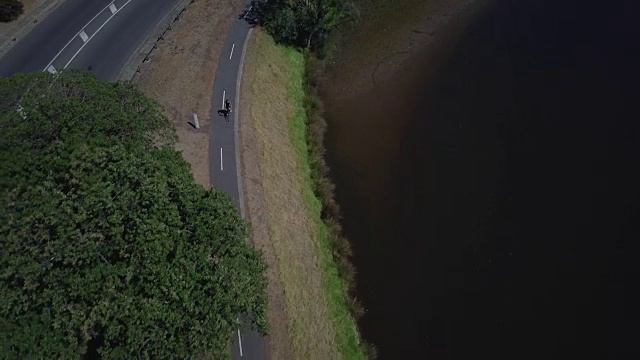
(493, 202)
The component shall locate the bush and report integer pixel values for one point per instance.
(10, 10)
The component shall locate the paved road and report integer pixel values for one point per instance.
(223, 159)
(77, 33)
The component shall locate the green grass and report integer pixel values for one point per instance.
(347, 336)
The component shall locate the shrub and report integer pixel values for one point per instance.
(10, 10)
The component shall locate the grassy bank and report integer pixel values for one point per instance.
(282, 185)
(318, 184)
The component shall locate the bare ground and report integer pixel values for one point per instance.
(181, 72)
(284, 230)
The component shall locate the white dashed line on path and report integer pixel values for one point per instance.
(232, 47)
(221, 165)
(239, 342)
(224, 94)
(247, 13)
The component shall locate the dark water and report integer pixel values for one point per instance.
(504, 222)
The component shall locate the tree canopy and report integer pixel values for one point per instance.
(300, 23)
(108, 245)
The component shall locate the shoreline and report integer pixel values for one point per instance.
(374, 75)
(369, 91)
(376, 53)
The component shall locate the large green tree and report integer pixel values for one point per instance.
(108, 244)
(301, 23)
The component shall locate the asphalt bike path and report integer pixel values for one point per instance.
(223, 157)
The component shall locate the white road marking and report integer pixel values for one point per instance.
(248, 11)
(64, 47)
(224, 93)
(84, 36)
(239, 342)
(232, 46)
(52, 69)
(221, 166)
(91, 37)
(78, 34)
(113, 8)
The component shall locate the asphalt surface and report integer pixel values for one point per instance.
(95, 36)
(105, 45)
(223, 165)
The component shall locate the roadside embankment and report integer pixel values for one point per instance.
(309, 311)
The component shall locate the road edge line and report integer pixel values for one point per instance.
(235, 125)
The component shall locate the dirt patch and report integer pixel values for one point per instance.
(181, 72)
(284, 230)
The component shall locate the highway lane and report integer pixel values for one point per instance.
(121, 36)
(40, 45)
(90, 35)
(223, 148)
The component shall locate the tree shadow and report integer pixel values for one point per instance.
(252, 14)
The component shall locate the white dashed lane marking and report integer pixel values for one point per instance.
(84, 36)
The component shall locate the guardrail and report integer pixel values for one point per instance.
(143, 52)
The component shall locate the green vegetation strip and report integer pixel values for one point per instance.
(347, 335)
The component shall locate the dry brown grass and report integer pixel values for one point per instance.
(181, 72)
(284, 225)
